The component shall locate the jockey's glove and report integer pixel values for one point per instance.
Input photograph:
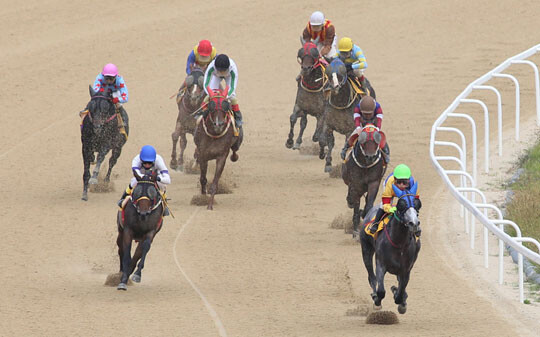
(348, 67)
(392, 210)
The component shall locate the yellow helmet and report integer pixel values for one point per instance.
(345, 44)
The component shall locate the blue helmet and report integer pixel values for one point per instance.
(148, 153)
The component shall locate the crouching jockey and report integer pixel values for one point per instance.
(200, 57)
(321, 32)
(367, 111)
(109, 82)
(223, 68)
(354, 59)
(401, 179)
(146, 161)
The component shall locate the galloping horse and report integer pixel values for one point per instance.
(338, 112)
(395, 250)
(363, 172)
(140, 220)
(216, 134)
(188, 105)
(100, 133)
(309, 95)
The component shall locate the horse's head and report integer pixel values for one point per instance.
(145, 195)
(337, 73)
(218, 108)
(195, 86)
(308, 57)
(101, 109)
(370, 140)
(407, 208)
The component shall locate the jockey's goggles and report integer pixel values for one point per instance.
(110, 78)
(345, 54)
(404, 182)
(147, 164)
(316, 28)
(222, 72)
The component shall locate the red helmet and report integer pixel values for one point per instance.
(204, 48)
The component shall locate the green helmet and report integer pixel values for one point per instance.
(402, 171)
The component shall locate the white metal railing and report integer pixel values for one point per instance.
(467, 190)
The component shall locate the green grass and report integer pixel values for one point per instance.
(524, 209)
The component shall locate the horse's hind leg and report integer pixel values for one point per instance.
(120, 249)
(100, 159)
(183, 145)
(318, 129)
(126, 258)
(174, 136)
(367, 256)
(146, 244)
(292, 119)
(303, 125)
(220, 165)
(87, 158)
(204, 167)
(380, 272)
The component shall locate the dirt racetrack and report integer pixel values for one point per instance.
(265, 260)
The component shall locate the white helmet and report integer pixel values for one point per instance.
(316, 19)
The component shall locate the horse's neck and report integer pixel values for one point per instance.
(314, 78)
(343, 95)
(189, 107)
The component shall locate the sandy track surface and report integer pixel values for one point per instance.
(265, 259)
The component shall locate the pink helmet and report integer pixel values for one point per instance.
(109, 70)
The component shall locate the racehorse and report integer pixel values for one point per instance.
(309, 95)
(100, 133)
(216, 134)
(140, 220)
(363, 170)
(339, 108)
(188, 105)
(395, 250)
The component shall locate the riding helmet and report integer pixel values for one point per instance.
(402, 171)
(367, 103)
(222, 62)
(148, 154)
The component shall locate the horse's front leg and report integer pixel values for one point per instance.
(146, 244)
(318, 129)
(87, 158)
(400, 295)
(220, 165)
(380, 272)
(367, 255)
(127, 237)
(372, 190)
(204, 167)
(303, 125)
(330, 140)
(183, 145)
(119, 241)
(116, 152)
(101, 157)
(292, 119)
(323, 140)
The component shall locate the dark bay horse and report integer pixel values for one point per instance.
(140, 220)
(309, 95)
(100, 133)
(339, 109)
(215, 136)
(363, 171)
(188, 105)
(396, 248)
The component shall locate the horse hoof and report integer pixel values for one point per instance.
(377, 307)
(179, 168)
(402, 308)
(234, 157)
(289, 143)
(93, 181)
(296, 146)
(84, 197)
(136, 278)
(394, 289)
(328, 168)
(173, 164)
(315, 139)
(122, 286)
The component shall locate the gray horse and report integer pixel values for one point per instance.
(309, 96)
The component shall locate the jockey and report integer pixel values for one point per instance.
(224, 68)
(321, 32)
(144, 162)
(110, 82)
(201, 55)
(402, 179)
(354, 60)
(367, 111)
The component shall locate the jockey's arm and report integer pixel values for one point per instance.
(306, 37)
(136, 165)
(379, 115)
(121, 89)
(190, 62)
(98, 83)
(163, 172)
(388, 194)
(360, 60)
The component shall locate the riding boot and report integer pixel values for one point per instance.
(237, 116)
(344, 151)
(364, 84)
(126, 193)
(375, 224)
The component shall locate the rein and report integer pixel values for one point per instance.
(185, 106)
(352, 98)
(307, 87)
(370, 165)
(229, 122)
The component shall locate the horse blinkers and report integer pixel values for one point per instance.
(409, 214)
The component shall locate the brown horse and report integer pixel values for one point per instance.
(363, 171)
(215, 135)
(140, 220)
(188, 105)
(309, 95)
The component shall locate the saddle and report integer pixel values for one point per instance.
(121, 128)
(357, 86)
(384, 220)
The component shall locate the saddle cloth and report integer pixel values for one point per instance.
(357, 87)
(385, 219)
